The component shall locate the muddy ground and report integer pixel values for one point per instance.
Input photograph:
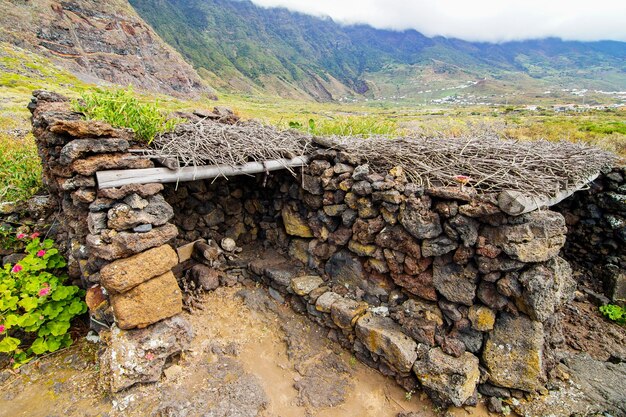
(250, 357)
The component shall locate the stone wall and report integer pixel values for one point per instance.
(435, 287)
(116, 239)
(426, 285)
(596, 243)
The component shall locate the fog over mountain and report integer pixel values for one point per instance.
(477, 20)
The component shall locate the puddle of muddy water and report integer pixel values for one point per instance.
(249, 357)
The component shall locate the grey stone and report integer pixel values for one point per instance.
(96, 222)
(438, 246)
(455, 282)
(325, 301)
(546, 287)
(157, 212)
(138, 356)
(419, 220)
(537, 237)
(450, 380)
(361, 172)
(467, 229)
(304, 285)
(513, 353)
(362, 188)
(312, 184)
(136, 202)
(79, 147)
(382, 336)
(142, 228)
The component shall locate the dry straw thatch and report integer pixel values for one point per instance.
(493, 165)
(212, 143)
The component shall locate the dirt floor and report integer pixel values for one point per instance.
(250, 357)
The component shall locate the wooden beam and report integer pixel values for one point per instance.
(516, 203)
(118, 178)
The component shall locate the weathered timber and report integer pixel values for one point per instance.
(118, 178)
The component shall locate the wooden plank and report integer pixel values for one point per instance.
(516, 203)
(118, 178)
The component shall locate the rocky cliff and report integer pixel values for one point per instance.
(99, 42)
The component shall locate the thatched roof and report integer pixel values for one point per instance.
(492, 164)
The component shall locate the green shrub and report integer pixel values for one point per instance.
(614, 313)
(121, 108)
(20, 168)
(35, 306)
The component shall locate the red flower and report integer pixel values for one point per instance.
(35, 235)
(41, 253)
(17, 268)
(21, 235)
(2, 328)
(44, 291)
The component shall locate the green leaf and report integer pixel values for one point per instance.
(29, 303)
(76, 307)
(9, 344)
(39, 346)
(59, 328)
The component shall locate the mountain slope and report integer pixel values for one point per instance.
(241, 46)
(99, 41)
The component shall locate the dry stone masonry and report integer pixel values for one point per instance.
(435, 287)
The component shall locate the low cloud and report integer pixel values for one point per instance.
(479, 20)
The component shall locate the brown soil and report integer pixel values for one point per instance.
(586, 330)
(250, 357)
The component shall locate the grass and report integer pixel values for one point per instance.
(121, 108)
(20, 169)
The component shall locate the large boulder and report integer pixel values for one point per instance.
(147, 303)
(545, 287)
(122, 275)
(535, 237)
(513, 353)
(138, 356)
(448, 379)
(382, 336)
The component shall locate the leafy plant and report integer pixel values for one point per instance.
(615, 313)
(35, 306)
(121, 108)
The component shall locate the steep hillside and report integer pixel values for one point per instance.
(99, 41)
(241, 46)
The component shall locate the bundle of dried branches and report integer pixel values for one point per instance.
(492, 164)
(212, 143)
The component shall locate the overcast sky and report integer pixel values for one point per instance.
(478, 20)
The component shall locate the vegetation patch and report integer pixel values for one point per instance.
(614, 313)
(35, 306)
(20, 168)
(121, 108)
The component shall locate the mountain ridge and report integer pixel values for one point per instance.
(240, 46)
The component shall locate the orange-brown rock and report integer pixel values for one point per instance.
(87, 129)
(92, 164)
(147, 303)
(122, 275)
